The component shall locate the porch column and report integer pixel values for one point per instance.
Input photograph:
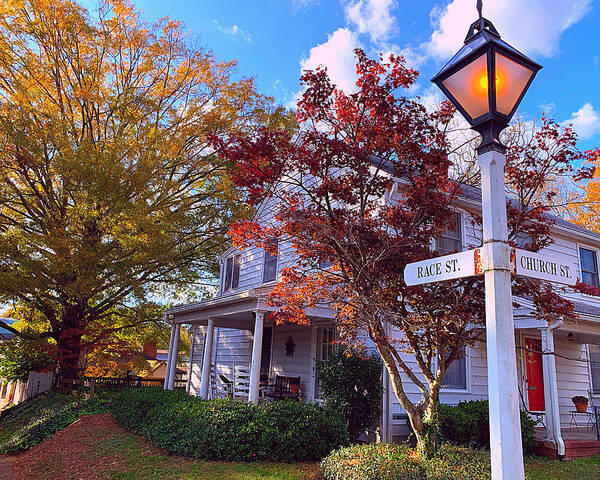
(256, 358)
(207, 359)
(553, 433)
(192, 338)
(173, 366)
(169, 357)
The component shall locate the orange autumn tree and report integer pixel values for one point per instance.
(110, 191)
(586, 210)
(364, 189)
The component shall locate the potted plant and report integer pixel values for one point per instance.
(581, 403)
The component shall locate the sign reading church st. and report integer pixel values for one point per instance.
(555, 268)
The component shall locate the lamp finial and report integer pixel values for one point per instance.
(479, 8)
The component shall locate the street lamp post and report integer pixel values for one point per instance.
(486, 80)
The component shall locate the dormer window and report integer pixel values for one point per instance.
(270, 267)
(451, 239)
(232, 272)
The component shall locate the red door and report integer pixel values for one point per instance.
(535, 377)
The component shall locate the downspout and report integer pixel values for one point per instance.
(552, 382)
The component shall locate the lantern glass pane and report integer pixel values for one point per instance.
(469, 86)
(511, 81)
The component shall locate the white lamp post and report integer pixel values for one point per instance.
(486, 80)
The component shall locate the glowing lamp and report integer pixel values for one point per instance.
(486, 81)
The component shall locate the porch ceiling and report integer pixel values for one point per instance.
(579, 331)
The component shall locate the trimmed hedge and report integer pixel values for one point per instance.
(467, 424)
(229, 429)
(400, 462)
(27, 424)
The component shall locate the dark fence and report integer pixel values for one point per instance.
(117, 384)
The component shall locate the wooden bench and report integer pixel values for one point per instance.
(284, 388)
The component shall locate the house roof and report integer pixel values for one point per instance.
(473, 194)
(5, 334)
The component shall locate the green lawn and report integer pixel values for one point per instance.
(95, 448)
(545, 469)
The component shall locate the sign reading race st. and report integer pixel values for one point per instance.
(448, 267)
(555, 268)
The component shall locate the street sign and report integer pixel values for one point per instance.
(553, 268)
(448, 267)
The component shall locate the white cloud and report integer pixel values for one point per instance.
(337, 54)
(534, 25)
(372, 17)
(586, 121)
(302, 4)
(234, 31)
(548, 108)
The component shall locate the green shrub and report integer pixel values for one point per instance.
(370, 461)
(351, 384)
(229, 429)
(27, 424)
(467, 424)
(459, 463)
(399, 462)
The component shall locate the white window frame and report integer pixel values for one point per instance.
(593, 249)
(467, 388)
(594, 392)
(224, 288)
(461, 225)
(318, 354)
(264, 263)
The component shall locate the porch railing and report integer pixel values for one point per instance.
(117, 384)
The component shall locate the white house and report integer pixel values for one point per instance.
(229, 333)
(15, 392)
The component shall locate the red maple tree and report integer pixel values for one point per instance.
(361, 191)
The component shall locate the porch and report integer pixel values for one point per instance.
(236, 350)
(557, 362)
(578, 443)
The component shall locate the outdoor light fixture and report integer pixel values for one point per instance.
(486, 80)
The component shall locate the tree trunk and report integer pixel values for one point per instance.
(69, 348)
(431, 424)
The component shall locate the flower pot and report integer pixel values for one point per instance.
(581, 406)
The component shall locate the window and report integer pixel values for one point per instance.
(325, 347)
(451, 239)
(232, 273)
(589, 267)
(595, 364)
(270, 267)
(456, 375)
(265, 358)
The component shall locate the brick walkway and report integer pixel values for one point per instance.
(6, 468)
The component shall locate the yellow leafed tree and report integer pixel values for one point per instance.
(108, 185)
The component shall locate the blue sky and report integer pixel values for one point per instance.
(273, 40)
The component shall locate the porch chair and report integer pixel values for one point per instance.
(241, 381)
(284, 388)
(221, 386)
(537, 417)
